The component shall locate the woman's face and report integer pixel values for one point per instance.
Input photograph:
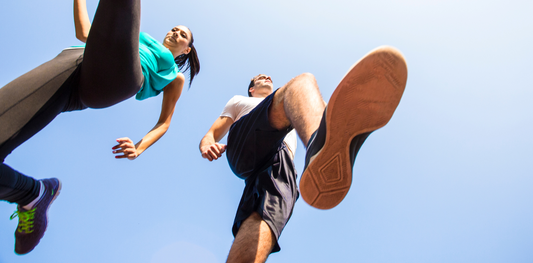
(177, 40)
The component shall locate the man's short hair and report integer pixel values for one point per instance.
(252, 83)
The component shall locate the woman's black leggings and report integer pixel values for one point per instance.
(103, 74)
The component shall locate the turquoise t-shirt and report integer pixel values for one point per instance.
(158, 66)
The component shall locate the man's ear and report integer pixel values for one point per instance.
(251, 90)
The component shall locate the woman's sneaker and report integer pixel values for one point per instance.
(363, 102)
(33, 222)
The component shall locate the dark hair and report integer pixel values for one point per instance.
(252, 83)
(189, 61)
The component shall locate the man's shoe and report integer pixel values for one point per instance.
(363, 102)
(33, 222)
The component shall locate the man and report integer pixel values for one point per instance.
(260, 146)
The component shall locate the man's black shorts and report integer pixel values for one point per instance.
(256, 153)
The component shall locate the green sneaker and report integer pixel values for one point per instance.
(33, 222)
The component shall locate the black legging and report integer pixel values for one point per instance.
(103, 74)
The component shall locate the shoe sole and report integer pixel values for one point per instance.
(364, 101)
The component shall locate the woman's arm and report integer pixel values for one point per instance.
(171, 94)
(81, 20)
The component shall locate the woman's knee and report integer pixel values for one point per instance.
(102, 89)
(106, 98)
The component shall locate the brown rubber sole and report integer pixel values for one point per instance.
(364, 101)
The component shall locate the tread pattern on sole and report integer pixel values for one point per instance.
(371, 90)
(331, 167)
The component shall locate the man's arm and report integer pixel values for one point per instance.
(209, 146)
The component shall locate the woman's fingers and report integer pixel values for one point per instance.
(124, 139)
(126, 153)
(125, 147)
(121, 142)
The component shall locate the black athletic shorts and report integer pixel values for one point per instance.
(256, 153)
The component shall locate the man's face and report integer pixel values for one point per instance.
(262, 86)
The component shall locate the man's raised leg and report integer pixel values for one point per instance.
(253, 242)
(363, 102)
(298, 103)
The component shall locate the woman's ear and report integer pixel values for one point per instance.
(187, 51)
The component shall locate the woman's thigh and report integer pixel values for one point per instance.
(23, 98)
(111, 70)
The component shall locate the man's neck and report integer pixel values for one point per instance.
(261, 94)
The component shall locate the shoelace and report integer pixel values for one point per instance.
(25, 220)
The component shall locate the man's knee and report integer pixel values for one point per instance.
(306, 76)
(302, 83)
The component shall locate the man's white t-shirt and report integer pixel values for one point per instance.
(239, 106)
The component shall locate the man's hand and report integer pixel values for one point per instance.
(125, 147)
(213, 151)
(209, 146)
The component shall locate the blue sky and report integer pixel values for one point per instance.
(447, 180)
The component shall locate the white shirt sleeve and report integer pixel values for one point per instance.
(291, 141)
(239, 106)
(230, 110)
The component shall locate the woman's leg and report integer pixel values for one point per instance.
(14, 186)
(111, 70)
(32, 196)
(27, 105)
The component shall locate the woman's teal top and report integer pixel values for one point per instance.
(158, 66)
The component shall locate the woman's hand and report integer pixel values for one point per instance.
(125, 147)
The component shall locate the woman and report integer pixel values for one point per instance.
(116, 63)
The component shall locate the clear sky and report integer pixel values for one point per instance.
(449, 179)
